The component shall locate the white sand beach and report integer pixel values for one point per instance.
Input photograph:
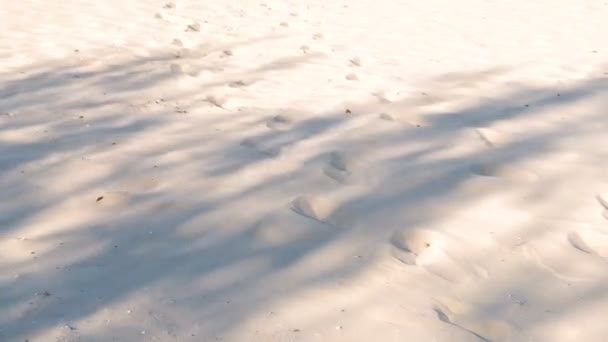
(281, 170)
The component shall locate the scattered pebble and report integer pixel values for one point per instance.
(228, 53)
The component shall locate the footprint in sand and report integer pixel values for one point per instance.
(454, 313)
(279, 123)
(340, 166)
(320, 208)
(350, 167)
(505, 171)
(429, 249)
(569, 256)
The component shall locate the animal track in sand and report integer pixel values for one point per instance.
(506, 171)
(429, 249)
(279, 123)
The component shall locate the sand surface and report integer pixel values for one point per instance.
(281, 170)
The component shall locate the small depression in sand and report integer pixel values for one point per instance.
(454, 312)
(434, 251)
(492, 137)
(319, 208)
(279, 123)
(569, 256)
(262, 148)
(591, 242)
(345, 167)
(280, 230)
(504, 171)
(417, 246)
